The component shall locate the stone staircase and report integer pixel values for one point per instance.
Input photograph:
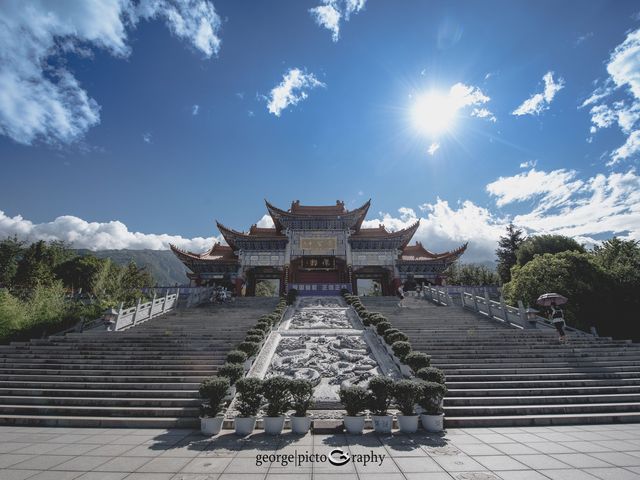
(503, 376)
(145, 376)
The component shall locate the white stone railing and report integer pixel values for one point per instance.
(495, 310)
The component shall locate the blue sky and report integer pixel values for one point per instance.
(132, 124)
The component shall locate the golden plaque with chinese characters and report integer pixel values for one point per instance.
(322, 244)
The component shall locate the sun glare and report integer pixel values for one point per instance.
(433, 113)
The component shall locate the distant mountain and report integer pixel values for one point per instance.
(162, 264)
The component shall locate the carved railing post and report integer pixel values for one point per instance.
(488, 302)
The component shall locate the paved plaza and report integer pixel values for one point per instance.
(562, 452)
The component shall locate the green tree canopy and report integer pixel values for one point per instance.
(471, 274)
(540, 244)
(11, 251)
(506, 252)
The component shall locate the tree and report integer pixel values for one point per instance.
(471, 274)
(506, 252)
(36, 267)
(575, 275)
(79, 272)
(11, 250)
(539, 244)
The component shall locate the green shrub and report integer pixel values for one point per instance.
(375, 320)
(250, 348)
(263, 325)
(232, 371)
(406, 394)
(432, 374)
(401, 349)
(417, 360)
(391, 338)
(253, 338)
(256, 331)
(249, 396)
(236, 356)
(213, 390)
(354, 399)
(380, 395)
(13, 314)
(382, 327)
(431, 396)
(301, 395)
(276, 393)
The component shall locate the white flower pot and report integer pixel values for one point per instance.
(382, 423)
(354, 425)
(244, 425)
(300, 425)
(273, 425)
(432, 423)
(408, 423)
(211, 425)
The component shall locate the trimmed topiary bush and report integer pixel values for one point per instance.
(256, 331)
(250, 348)
(276, 392)
(432, 374)
(301, 396)
(401, 349)
(406, 394)
(381, 393)
(232, 371)
(354, 399)
(213, 391)
(417, 360)
(249, 396)
(254, 338)
(431, 396)
(382, 327)
(391, 338)
(236, 356)
(263, 325)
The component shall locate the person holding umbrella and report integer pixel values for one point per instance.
(556, 316)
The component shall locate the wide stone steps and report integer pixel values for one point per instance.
(147, 376)
(499, 375)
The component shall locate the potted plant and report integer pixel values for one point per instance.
(401, 349)
(406, 394)
(430, 399)
(417, 360)
(236, 356)
(432, 374)
(382, 327)
(302, 399)
(276, 393)
(249, 398)
(251, 349)
(213, 391)
(234, 372)
(354, 400)
(381, 393)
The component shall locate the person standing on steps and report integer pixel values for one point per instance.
(400, 296)
(557, 318)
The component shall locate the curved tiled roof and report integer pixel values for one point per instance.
(338, 210)
(419, 253)
(217, 252)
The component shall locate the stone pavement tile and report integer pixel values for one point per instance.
(481, 475)
(196, 476)
(507, 430)
(43, 462)
(6, 447)
(618, 459)
(462, 439)
(38, 448)
(572, 474)
(246, 465)
(617, 445)
(10, 459)
(289, 476)
(538, 462)
(500, 462)
(551, 447)
(207, 465)
(614, 473)
(513, 449)
(327, 468)
(474, 449)
(82, 463)
(142, 451)
(524, 437)
(110, 450)
(388, 466)
(585, 447)
(241, 476)
(380, 476)
(128, 440)
(56, 475)
(428, 476)
(560, 437)
(521, 475)
(16, 474)
(492, 438)
(68, 438)
(362, 450)
(73, 449)
(122, 464)
(164, 465)
(186, 451)
(413, 464)
(336, 476)
(580, 460)
(412, 450)
(458, 463)
(149, 476)
(596, 436)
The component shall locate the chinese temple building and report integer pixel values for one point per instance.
(317, 250)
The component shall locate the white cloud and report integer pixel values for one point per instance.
(529, 164)
(195, 109)
(483, 113)
(40, 98)
(147, 137)
(433, 148)
(95, 235)
(265, 222)
(332, 12)
(540, 102)
(291, 90)
(624, 73)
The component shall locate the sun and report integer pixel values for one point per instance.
(433, 113)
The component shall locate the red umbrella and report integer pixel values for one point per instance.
(547, 299)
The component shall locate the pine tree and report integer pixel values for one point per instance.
(506, 252)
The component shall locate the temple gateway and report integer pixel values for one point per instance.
(317, 250)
